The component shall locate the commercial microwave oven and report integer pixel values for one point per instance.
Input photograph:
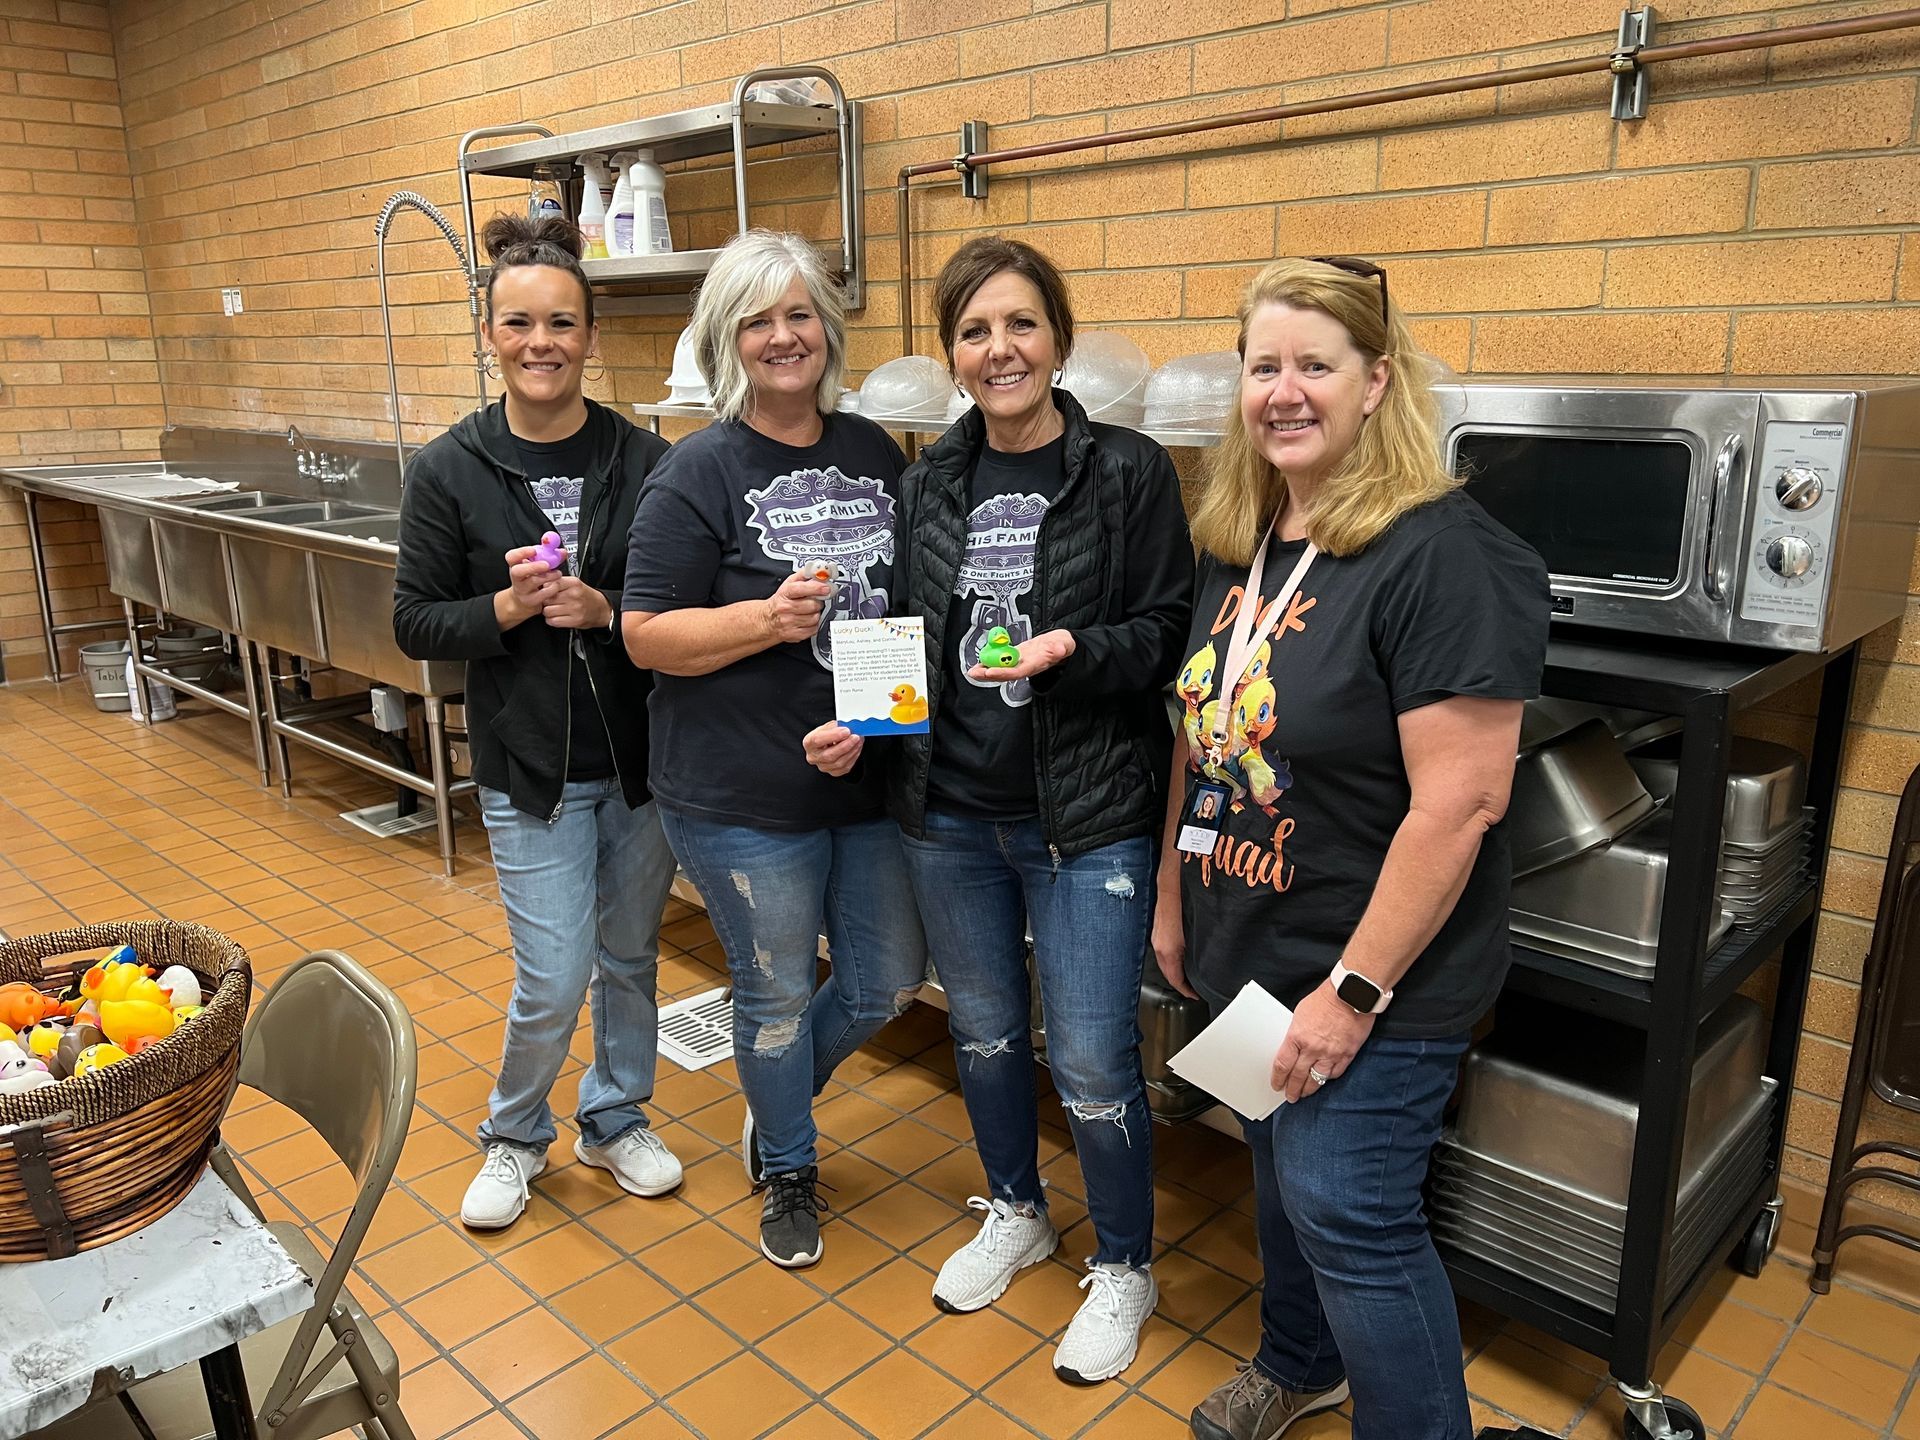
(1777, 514)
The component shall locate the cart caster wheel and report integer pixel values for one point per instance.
(1762, 1236)
(1682, 1424)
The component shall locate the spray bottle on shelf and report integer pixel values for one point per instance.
(593, 206)
(620, 210)
(651, 233)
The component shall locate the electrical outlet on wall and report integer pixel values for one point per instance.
(239, 305)
(230, 302)
(226, 302)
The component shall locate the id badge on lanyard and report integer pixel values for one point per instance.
(1249, 634)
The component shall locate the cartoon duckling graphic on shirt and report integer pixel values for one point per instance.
(1253, 722)
(1195, 680)
(1256, 669)
(909, 706)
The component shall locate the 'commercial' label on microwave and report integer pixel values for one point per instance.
(1563, 605)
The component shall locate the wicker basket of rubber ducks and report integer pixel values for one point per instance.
(120, 1053)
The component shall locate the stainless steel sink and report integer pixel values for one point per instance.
(239, 500)
(132, 567)
(307, 512)
(383, 529)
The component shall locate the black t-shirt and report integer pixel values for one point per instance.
(556, 473)
(726, 516)
(983, 763)
(1446, 603)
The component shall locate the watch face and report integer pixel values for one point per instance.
(1359, 993)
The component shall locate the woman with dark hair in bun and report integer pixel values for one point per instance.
(556, 713)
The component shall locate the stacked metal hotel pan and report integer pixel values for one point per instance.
(1591, 833)
(1532, 1177)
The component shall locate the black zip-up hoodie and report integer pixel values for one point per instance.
(465, 504)
(1114, 565)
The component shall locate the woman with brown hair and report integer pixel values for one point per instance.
(1033, 800)
(1364, 639)
(556, 714)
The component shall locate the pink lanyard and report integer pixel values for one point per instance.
(1249, 636)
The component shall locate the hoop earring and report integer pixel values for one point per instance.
(489, 366)
(603, 370)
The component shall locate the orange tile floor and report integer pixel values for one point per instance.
(604, 1315)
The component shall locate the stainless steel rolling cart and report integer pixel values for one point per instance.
(1706, 688)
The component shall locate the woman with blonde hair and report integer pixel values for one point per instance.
(1364, 639)
(751, 538)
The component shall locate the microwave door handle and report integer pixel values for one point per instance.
(1723, 468)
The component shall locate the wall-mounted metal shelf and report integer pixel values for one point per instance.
(683, 135)
(660, 284)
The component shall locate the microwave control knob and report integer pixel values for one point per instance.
(1790, 556)
(1798, 488)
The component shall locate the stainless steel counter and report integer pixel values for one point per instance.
(306, 574)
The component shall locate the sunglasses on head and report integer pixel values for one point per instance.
(1365, 269)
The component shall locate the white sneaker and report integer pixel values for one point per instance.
(639, 1160)
(1105, 1332)
(498, 1193)
(978, 1273)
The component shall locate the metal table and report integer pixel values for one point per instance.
(187, 1288)
(1706, 688)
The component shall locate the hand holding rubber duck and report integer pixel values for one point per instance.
(1042, 652)
(793, 611)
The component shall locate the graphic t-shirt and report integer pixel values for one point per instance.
(1446, 603)
(726, 516)
(556, 475)
(983, 763)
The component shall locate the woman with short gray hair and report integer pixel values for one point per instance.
(751, 537)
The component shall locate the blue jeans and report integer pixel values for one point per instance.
(978, 883)
(1353, 1286)
(768, 893)
(583, 898)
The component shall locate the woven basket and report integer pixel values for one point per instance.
(88, 1161)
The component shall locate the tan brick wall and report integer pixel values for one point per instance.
(1759, 220)
(79, 379)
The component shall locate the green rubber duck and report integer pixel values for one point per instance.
(999, 652)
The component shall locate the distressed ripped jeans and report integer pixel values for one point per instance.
(583, 896)
(769, 894)
(978, 883)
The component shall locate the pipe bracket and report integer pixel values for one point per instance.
(1630, 77)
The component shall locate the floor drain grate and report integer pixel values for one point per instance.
(698, 1031)
(386, 821)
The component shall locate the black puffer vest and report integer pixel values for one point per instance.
(1114, 565)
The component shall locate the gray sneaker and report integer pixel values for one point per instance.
(790, 1218)
(1252, 1407)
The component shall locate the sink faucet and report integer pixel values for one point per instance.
(327, 468)
(410, 200)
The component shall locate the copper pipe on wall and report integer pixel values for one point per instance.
(1621, 63)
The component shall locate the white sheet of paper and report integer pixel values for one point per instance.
(1232, 1059)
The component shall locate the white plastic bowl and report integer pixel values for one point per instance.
(1107, 373)
(1193, 391)
(913, 385)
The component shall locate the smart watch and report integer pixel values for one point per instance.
(1358, 993)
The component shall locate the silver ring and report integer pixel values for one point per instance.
(1317, 1078)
